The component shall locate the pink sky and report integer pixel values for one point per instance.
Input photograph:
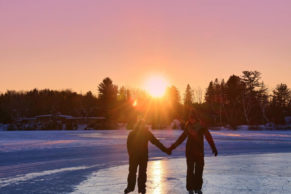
(62, 44)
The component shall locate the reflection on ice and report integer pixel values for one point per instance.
(156, 173)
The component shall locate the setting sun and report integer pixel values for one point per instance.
(156, 86)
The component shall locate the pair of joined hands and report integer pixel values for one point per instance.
(215, 152)
(169, 151)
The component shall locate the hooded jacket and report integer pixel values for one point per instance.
(195, 133)
(137, 143)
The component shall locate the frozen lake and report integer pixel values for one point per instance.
(96, 162)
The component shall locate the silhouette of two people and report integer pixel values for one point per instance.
(137, 147)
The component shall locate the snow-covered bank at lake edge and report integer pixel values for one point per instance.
(267, 127)
(257, 173)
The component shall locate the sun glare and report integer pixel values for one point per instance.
(156, 86)
(134, 103)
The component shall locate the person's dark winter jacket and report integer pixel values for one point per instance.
(195, 143)
(137, 143)
(195, 133)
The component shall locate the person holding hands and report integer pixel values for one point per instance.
(195, 131)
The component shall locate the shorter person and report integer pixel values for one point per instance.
(195, 131)
(137, 147)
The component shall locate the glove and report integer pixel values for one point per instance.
(169, 151)
(214, 151)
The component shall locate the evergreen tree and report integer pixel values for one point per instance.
(107, 97)
(250, 102)
(215, 98)
(263, 99)
(188, 101)
(90, 104)
(122, 94)
(209, 96)
(234, 88)
(282, 95)
(174, 106)
(188, 96)
(280, 104)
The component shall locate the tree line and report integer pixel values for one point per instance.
(246, 100)
(240, 100)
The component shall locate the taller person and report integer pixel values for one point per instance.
(195, 131)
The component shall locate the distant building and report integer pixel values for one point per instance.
(57, 122)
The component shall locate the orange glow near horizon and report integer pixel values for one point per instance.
(134, 103)
(76, 44)
(156, 86)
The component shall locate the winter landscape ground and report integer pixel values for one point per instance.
(96, 162)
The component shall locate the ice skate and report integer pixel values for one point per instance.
(127, 190)
(198, 191)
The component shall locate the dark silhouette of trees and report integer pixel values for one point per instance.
(107, 95)
(124, 108)
(215, 98)
(107, 92)
(15, 105)
(251, 90)
(234, 90)
(188, 101)
(280, 105)
(240, 100)
(263, 99)
(173, 100)
(90, 105)
(188, 96)
(282, 96)
(107, 98)
(245, 100)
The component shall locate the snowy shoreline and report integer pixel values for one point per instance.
(266, 127)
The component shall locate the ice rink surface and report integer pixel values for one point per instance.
(257, 173)
(96, 162)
